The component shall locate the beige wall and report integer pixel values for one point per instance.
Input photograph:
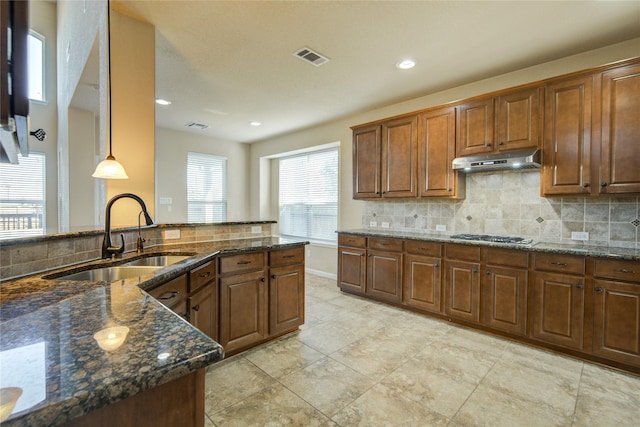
(350, 211)
(171, 177)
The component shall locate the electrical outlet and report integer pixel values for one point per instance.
(373, 224)
(384, 225)
(166, 200)
(441, 227)
(579, 235)
(255, 229)
(171, 234)
(308, 252)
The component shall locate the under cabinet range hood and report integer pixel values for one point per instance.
(515, 160)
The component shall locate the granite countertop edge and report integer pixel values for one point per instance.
(20, 296)
(584, 250)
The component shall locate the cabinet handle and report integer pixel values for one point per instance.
(384, 244)
(598, 289)
(488, 273)
(488, 144)
(362, 255)
(243, 262)
(579, 286)
(603, 184)
(422, 249)
(585, 185)
(207, 274)
(369, 255)
(475, 270)
(560, 264)
(501, 143)
(624, 270)
(436, 265)
(168, 295)
(288, 256)
(195, 308)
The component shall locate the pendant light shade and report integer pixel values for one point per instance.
(109, 168)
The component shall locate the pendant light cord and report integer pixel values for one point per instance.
(110, 157)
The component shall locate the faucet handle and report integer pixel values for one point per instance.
(117, 251)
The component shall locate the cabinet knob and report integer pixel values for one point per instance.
(475, 270)
(488, 273)
(449, 190)
(207, 274)
(262, 279)
(195, 308)
(501, 143)
(369, 255)
(436, 265)
(579, 286)
(598, 289)
(273, 276)
(488, 144)
(585, 185)
(603, 184)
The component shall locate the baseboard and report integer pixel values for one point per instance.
(321, 273)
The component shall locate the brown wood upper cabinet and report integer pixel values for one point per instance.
(504, 123)
(385, 159)
(436, 151)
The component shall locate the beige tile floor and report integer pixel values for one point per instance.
(360, 363)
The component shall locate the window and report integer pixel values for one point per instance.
(206, 188)
(309, 195)
(36, 66)
(22, 197)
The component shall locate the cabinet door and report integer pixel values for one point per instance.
(384, 275)
(476, 128)
(567, 137)
(518, 120)
(242, 310)
(505, 293)
(366, 162)
(616, 328)
(399, 157)
(436, 151)
(203, 312)
(558, 309)
(462, 290)
(286, 298)
(352, 265)
(620, 154)
(422, 282)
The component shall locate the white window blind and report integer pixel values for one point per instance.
(206, 187)
(22, 197)
(309, 195)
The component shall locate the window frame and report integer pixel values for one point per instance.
(202, 202)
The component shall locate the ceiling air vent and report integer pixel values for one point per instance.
(310, 56)
(194, 125)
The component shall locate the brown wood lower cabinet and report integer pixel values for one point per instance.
(462, 290)
(422, 282)
(203, 313)
(286, 298)
(384, 275)
(352, 268)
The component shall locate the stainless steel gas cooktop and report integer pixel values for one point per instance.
(494, 239)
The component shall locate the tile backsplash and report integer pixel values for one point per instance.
(509, 204)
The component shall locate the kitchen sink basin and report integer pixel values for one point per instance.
(157, 261)
(110, 274)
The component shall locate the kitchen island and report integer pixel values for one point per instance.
(48, 345)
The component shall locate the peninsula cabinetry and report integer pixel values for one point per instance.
(203, 301)
(422, 279)
(616, 319)
(286, 290)
(173, 295)
(462, 282)
(558, 300)
(506, 122)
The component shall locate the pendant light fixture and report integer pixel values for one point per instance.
(109, 168)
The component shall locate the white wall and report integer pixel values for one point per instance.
(350, 211)
(171, 173)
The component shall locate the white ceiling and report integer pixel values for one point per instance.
(227, 63)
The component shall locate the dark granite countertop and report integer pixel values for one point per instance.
(47, 328)
(584, 250)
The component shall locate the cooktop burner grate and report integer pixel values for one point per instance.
(490, 238)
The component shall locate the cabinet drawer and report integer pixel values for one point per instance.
(423, 248)
(617, 269)
(243, 262)
(507, 257)
(385, 244)
(172, 292)
(286, 257)
(559, 263)
(462, 252)
(353, 241)
(202, 275)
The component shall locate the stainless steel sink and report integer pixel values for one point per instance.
(110, 274)
(157, 260)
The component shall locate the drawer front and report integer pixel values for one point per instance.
(462, 252)
(385, 244)
(250, 261)
(423, 248)
(286, 257)
(202, 275)
(507, 257)
(617, 269)
(352, 241)
(172, 292)
(559, 263)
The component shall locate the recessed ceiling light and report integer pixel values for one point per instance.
(255, 124)
(163, 102)
(405, 64)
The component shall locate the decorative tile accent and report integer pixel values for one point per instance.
(416, 216)
(469, 217)
(374, 214)
(636, 222)
(539, 219)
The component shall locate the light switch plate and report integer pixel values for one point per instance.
(384, 225)
(166, 200)
(441, 227)
(172, 234)
(373, 224)
(579, 235)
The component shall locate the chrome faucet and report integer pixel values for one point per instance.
(107, 249)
